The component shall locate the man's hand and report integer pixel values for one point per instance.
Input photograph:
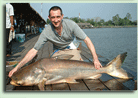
(97, 64)
(28, 57)
(12, 28)
(12, 71)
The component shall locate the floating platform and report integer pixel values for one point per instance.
(104, 83)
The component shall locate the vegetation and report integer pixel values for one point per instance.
(116, 21)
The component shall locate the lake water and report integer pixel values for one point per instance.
(109, 42)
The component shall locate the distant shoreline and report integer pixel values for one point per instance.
(109, 27)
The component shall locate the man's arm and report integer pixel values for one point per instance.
(28, 57)
(11, 19)
(91, 47)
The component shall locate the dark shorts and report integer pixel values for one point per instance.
(8, 44)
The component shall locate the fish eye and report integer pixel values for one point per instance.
(19, 83)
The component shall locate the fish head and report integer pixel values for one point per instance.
(22, 80)
(15, 81)
(28, 76)
(23, 77)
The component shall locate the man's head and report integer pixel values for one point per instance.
(55, 16)
(55, 8)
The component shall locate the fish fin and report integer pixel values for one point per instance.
(55, 82)
(95, 76)
(118, 60)
(114, 67)
(63, 56)
(41, 85)
(71, 81)
(54, 79)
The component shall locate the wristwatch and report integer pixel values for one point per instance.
(12, 25)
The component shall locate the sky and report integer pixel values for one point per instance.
(90, 10)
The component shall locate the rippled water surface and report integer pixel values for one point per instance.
(109, 42)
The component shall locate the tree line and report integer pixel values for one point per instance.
(116, 21)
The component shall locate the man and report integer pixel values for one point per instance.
(61, 33)
(33, 27)
(9, 27)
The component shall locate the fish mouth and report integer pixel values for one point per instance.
(14, 83)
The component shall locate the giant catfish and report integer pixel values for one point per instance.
(53, 70)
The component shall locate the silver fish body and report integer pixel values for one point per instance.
(51, 71)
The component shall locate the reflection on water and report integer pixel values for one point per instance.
(109, 42)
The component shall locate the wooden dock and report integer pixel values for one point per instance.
(104, 83)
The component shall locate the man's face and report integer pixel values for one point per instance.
(56, 17)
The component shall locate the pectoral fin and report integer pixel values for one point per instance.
(41, 85)
(71, 81)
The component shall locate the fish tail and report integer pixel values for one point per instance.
(114, 67)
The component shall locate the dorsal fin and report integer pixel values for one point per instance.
(63, 56)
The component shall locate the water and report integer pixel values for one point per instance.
(109, 42)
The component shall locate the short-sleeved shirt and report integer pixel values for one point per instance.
(9, 12)
(70, 30)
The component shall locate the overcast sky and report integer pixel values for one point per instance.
(90, 10)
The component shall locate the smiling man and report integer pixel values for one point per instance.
(61, 32)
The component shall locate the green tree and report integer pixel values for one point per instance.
(115, 20)
(99, 23)
(127, 21)
(102, 22)
(134, 22)
(121, 22)
(91, 21)
(128, 16)
(66, 18)
(108, 23)
(48, 21)
(82, 20)
(75, 19)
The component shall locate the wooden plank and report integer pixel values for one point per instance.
(28, 88)
(110, 81)
(18, 48)
(24, 88)
(95, 85)
(78, 86)
(25, 44)
(27, 48)
(9, 87)
(60, 87)
(115, 85)
(48, 87)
